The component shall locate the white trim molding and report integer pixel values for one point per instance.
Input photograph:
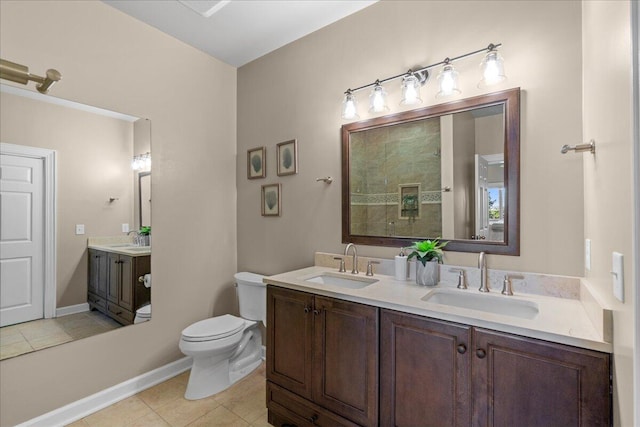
(72, 309)
(90, 404)
(635, 46)
(50, 191)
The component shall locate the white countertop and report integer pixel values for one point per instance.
(560, 320)
(123, 249)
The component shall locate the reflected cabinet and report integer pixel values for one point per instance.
(114, 287)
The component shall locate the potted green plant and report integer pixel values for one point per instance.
(429, 254)
(145, 235)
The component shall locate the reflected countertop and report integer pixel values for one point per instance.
(562, 320)
(122, 245)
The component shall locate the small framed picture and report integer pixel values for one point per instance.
(287, 155)
(271, 202)
(256, 167)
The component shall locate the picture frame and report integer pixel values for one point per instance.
(271, 200)
(256, 163)
(287, 157)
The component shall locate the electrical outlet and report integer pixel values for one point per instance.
(587, 254)
(125, 228)
(617, 274)
(79, 229)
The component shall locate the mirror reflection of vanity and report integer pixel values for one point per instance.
(95, 191)
(448, 171)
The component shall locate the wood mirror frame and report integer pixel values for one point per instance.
(511, 100)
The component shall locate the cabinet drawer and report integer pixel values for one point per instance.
(287, 408)
(97, 302)
(120, 314)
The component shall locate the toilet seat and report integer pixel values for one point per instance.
(144, 311)
(214, 328)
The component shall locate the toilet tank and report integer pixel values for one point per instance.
(252, 296)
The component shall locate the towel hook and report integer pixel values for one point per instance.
(590, 146)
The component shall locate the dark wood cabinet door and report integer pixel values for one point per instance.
(97, 282)
(127, 282)
(289, 339)
(113, 275)
(94, 260)
(526, 382)
(425, 371)
(345, 362)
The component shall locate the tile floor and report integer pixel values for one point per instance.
(38, 334)
(164, 405)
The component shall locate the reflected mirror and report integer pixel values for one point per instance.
(449, 171)
(71, 262)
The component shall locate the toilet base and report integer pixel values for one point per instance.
(209, 376)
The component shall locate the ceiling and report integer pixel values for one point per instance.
(238, 31)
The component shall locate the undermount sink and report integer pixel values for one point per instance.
(507, 306)
(341, 281)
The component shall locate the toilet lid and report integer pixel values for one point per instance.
(213, 329)
(144, 311)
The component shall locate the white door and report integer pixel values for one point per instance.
(482, 197)
(21, 239)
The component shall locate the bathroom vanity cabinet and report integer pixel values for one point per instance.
(449, 374)
(113, 286)
(322, 360)
(97, 280)
(323, 370)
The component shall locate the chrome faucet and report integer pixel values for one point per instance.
(354, 270)
(482, 265)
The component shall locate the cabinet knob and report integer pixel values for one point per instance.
(481, 353)
(462, 349)
(307, 309)
(316, 311)
(313, 419)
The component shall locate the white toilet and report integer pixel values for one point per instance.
(226, 348)
(143, 314)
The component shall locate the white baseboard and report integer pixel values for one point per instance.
(72, 309)
(90, 404)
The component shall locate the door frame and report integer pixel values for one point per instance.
(48, 158)
(635, 47)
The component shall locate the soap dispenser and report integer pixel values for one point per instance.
(401, 265)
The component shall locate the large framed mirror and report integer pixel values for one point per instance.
(449, 171)
(67, 183)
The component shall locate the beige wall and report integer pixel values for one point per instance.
(296, 91)
(93, 155)
(110, 60)
(608, 205)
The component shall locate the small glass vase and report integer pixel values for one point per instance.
(427, 275)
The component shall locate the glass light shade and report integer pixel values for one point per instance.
(378, 100)
(350, 107)
(410, 90)
(147, 162)
(492, 69)
(447, 82)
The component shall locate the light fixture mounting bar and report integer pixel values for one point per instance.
(490, 47)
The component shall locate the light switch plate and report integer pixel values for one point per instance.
(617, 275)
(125, 228)
(587, 254)
(79, 229)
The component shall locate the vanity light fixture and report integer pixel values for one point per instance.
(349, 106)
(492, 72)
(492, 68)
(378, 99)
(447, 80)
(141, 161)
(411, 83)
